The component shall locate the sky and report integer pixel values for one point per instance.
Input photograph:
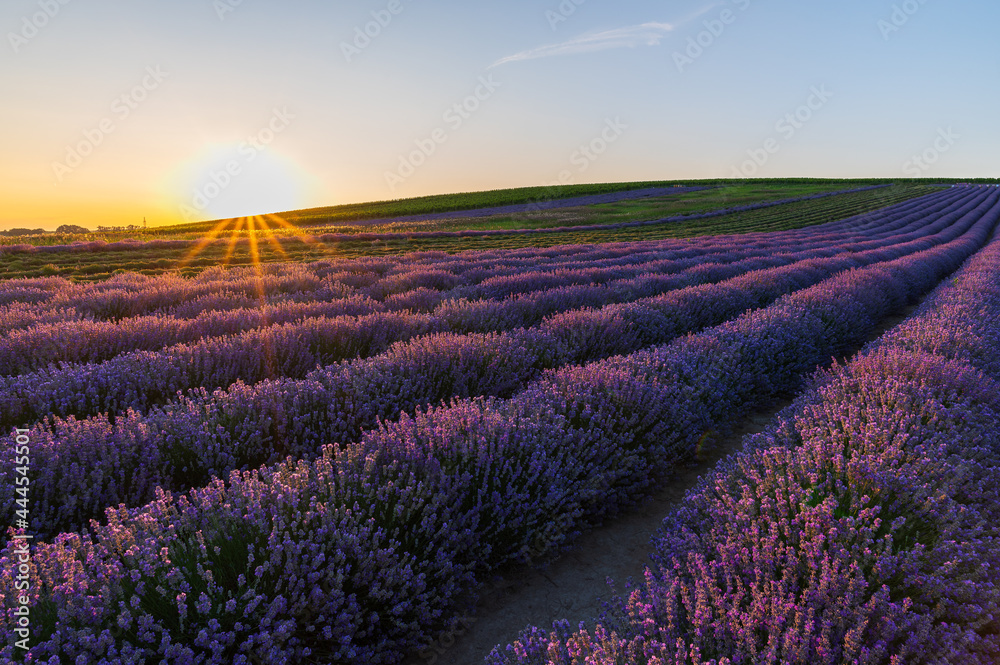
(112, 112)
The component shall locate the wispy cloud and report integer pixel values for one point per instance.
(646, 34)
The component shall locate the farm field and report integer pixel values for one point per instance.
(316, 441)
(272, 238)
(444, 212)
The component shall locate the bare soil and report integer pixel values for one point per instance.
(571, 586)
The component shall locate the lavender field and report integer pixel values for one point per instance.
(322, 462)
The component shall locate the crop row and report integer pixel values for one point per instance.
(443, 203)
(93, 341)
(86, 341)
(117, 297)
(81, 467)
(424, 290)
(339, 237)
(133, 294)
(192, 439)
(355, 556)
(97, 267)
(160, 244)
(533, 206)
(861, 527)
(138, 380)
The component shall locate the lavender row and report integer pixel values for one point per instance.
(339, 237)
(132, 294)
(542, 204)
(91, 341)
(94, 341)
(133, 245)
(639, 324)
(861, 527)
(356, 556)
(140, 379)
(193, 440)
(81, 467)
(506, 276)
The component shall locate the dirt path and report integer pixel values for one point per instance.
(571, 586)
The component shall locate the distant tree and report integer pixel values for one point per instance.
(23, 232)
(72, 228)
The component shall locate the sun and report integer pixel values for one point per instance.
(243, 189)
(237, 180)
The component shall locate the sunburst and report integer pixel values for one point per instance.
(203, 243)
(233, 240)
(252, 227)
(255, 228)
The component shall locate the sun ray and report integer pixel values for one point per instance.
(296, 231)
(270, 360)
(203, 242)
(273, 241)
(280, 221)
(306, 238)
(234, 239)
(255, 256)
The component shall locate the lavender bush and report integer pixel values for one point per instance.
(100, 462)
(138, 380)
(861, 527)
(359, 554)
(530, 290)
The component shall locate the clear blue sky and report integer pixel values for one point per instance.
(205, 108)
